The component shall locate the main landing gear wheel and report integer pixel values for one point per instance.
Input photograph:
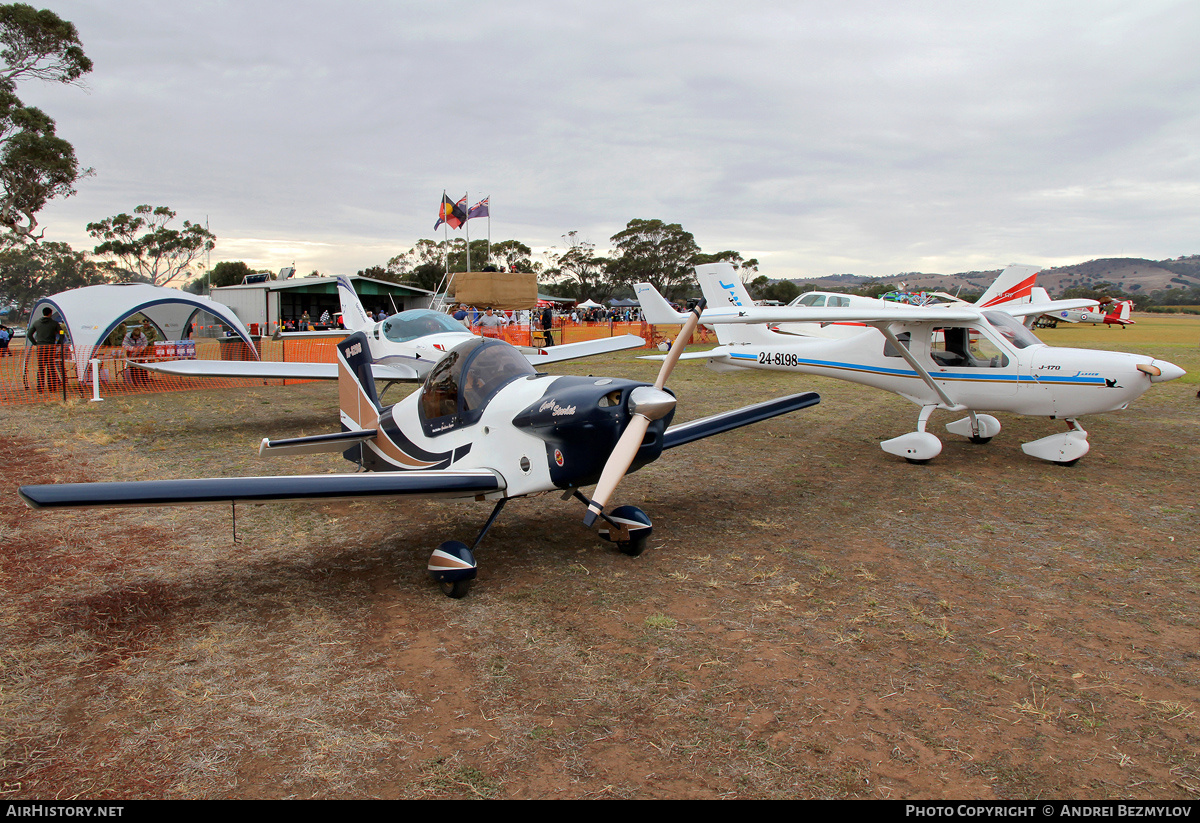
(452, 565)
(457, 590)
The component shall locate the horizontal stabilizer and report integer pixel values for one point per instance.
(312, 445)
(271, 370)
(688, 355)
(585, 348)
(727, 421)
(263, 489)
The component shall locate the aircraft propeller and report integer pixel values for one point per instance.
(646, 404)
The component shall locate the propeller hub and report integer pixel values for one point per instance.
(651, 403)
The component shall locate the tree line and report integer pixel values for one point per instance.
(644, 251)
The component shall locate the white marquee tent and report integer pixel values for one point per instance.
(92, 313)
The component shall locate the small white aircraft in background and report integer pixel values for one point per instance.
(483, 425)
(1013, 286)
(403, 347)
(957, 358)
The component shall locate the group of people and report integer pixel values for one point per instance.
(327, 320)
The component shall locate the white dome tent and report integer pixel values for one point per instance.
(92, 313)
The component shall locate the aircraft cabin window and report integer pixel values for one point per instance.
(891, 351)
(439, 397)
(492, 368)
(811, 300)
(1012, 330)
(459, 386)
(961, 347)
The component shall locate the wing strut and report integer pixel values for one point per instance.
(886, 330)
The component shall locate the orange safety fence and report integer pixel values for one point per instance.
(66, 373)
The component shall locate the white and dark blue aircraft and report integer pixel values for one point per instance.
(484, 425)
(961, 358)
(403, 347)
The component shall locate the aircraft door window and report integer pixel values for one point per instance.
(811, 300)
(962, 347)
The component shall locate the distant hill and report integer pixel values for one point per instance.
(1131, 274)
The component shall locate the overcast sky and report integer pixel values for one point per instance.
(819, 137)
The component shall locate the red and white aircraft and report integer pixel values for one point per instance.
(954, 358)
(1117, 314)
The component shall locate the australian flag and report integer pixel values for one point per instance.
(480, 209)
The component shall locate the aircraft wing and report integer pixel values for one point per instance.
(262, 489)
(585, 348)
(900, 313)
(272, 370)
(310, 335)
(1026, 309)
(726, 421)
(657, 310)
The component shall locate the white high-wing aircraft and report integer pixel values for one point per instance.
(956, 358)
(483, 425)
(403, 348)
(1014, 285)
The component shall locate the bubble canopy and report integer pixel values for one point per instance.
(460, 385)
(414, 323)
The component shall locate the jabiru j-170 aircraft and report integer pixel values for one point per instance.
(484, 425)
(955, 358)
(403, 347)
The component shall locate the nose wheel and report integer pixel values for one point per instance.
(629, 528)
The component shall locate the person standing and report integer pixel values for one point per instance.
(45, 335)
(135, 344)
(489, 324)
(548, 325)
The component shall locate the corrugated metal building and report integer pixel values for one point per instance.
(264, 305)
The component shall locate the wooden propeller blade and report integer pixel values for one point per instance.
(631, 439)
(681, 341)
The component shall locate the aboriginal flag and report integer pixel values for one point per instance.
(450, 212)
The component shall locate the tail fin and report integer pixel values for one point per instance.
(655, 307)
(357, 399)
(722, 287)
(1013, 285)
(354, 316)
(1123, 310)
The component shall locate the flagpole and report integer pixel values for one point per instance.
(446, 246)
(467, 226)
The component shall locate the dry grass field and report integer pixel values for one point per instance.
(813, 618)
